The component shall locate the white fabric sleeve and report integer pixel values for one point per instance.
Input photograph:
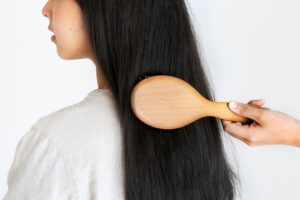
(38, 171)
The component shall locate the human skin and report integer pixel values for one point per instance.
(268, 126)
(72, 41)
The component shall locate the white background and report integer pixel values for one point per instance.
(251, 50)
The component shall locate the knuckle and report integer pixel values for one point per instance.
(251, 102)
(261, 116)
(243, 109)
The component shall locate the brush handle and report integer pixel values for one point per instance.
(221, 110)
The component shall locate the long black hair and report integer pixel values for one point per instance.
(132, 38)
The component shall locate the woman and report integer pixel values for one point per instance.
(98, 149)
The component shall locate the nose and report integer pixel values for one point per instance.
(46, 11)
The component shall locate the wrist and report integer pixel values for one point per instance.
(298, 135)
(294, 137)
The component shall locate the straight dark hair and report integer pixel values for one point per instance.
(132, 38)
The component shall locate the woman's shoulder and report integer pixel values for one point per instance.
(95, 117)
(67, 145)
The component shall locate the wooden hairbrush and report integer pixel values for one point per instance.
(168, 102)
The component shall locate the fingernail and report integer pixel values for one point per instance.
(233, 105)
(262, 102)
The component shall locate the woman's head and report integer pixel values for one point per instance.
(66, 22)
(132, 38)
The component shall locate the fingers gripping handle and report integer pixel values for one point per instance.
(221, 110)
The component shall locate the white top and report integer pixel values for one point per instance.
(71, 154)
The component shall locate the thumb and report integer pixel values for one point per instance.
(246, 110)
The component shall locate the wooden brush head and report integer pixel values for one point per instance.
(167, 102)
